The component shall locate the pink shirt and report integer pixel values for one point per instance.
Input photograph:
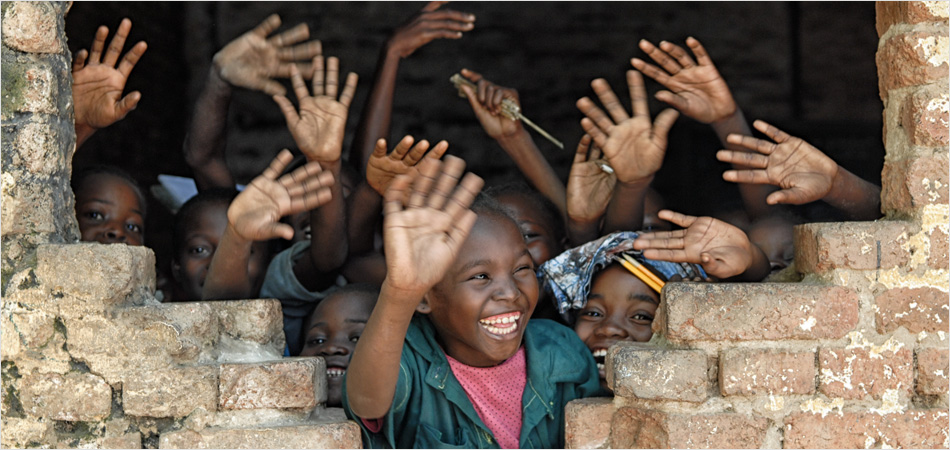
(496, 393)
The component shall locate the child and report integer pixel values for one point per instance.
(538, 218)
(603, 300)
(448, 357)
(110, 206)
(199, 225)
(333, 329)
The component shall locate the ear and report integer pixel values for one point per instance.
(423, 306)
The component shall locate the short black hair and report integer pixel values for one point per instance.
(104, 169)
(550, 214)
(202, 199)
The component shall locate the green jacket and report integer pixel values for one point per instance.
(431, 410)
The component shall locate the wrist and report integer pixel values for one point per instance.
(83, 132)
(410, 294)
(216, 82)
(515, 140)
(232, 235)
(635, 185)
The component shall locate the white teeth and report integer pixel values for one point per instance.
(500, 331)
(600, 352)
(503, 320)
(600, 366)
(335, 372)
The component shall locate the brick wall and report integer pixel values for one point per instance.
(854, 356)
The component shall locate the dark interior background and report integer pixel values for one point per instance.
(806, 67)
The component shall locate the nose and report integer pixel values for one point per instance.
(332, 348)
(506, 289)
(610, 328)
(114, 233)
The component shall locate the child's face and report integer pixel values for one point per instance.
(620, 308)
(332, 331)
(538, 237)
(108, 211)
(775, 237)
(203, 231)
(482, 305)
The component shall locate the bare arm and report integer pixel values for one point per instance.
(589, 189)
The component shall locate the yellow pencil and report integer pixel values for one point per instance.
(640, 266)
(643, 277)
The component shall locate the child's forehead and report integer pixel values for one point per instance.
(99, 182)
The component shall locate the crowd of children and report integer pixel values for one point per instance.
(449, 315)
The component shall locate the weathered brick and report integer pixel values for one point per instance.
(859, 372)
(762, 311)
(933, 368)
(821, 247)
(917, 309)
(643, 371)
(587, 422)
(286, 384)
(910, 429)
(911, 59)
(635, 428)
(33, 27)
(891, 13)
(326, 435)
(938, 258)
(33, 329)
(258, 321)
(74, 396)
(127, 440)
(912, 183)
(172, 392)
(766, 371)
(925, 116)
(22, 433)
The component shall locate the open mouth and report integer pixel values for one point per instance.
(335, 371)
(501, 324)
(600, 355)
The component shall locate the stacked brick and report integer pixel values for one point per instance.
(854, 356)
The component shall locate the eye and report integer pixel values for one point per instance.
(198, 250)
(95, 215)
(354, 338)
(134, 227)
(640, 317)
(316, 341)
(591, 313)
(479, 276)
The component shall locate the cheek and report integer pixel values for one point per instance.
(541, 250)
(195, 269)
(584, 330)
(641, 333)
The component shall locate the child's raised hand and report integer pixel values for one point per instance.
(427, 25)
(255, 213)
(697, 90)
(318, 128)
(589, 187)
(427, 219)
(382, 168)
(98, 83)
(723, 250)
(804, 173)
(253, 60)
(486, 102)
(634, 146)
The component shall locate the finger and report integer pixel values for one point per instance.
(333, 76)
(308, 180)
(660, 57)
(300, 88)
(316, 199)
(745, 159)
(748, 176)
(651, 71)
(609, 100)
(403, 147)
(292, 36)
(702, 56)
(790, 196)
(278, 229)
(638, 93)
(80, 60)
(674, 100)
(599, 137)
(652, 235)
(483, 86)
(380, 149)
(132, 58)
(751, 143)
(464, 195)
(432, 6)
(595, 152)
(318, 75)
(472, 76)
(595, 115)
(472, 98)
(349, 89)
(117, 43)
(462, 226)
(290, 113)
(452, 171)
(278, 164)
(667, 243)
(683, 220)
(98, 44)
(661, 126)
(396, 192)
(678, 53)
(582, 148)
(666, 255)
(270, 87)
(127, 104)
(771, 131)
(438, 150)
(428, 171)
(452, 22)
(268, 26)
(415, 154)
(302, 52)
(497, 96)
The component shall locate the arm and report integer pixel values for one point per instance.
(255, 214)
(98, 84)
(512, 137)
(633, 145)
(251, 61)
(803, 173)
(723, 250)
(425, 26)
(318, 131)
(423, 234)
(589, 189)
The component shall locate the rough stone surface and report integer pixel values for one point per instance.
(939, 249)
(327, 435)
(587, 422)
(912, 183)
(257, 321)
(763, 311)
(766, 371)
(912, 59)
(22, 433)
(286, 384)
(891, 13)
(34, 27)
(643, 371)
(926, 118)
(909, 429)
(636, 428)
(933, 368)
(74, 396)
(916, 309)
(856, 373)
(195, 325)
(173, 392)
(128, 440)
(820, 247)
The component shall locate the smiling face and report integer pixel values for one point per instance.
(538, 235)
(482, 305)
(332, 331)
(620, 307)
(109, 211)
